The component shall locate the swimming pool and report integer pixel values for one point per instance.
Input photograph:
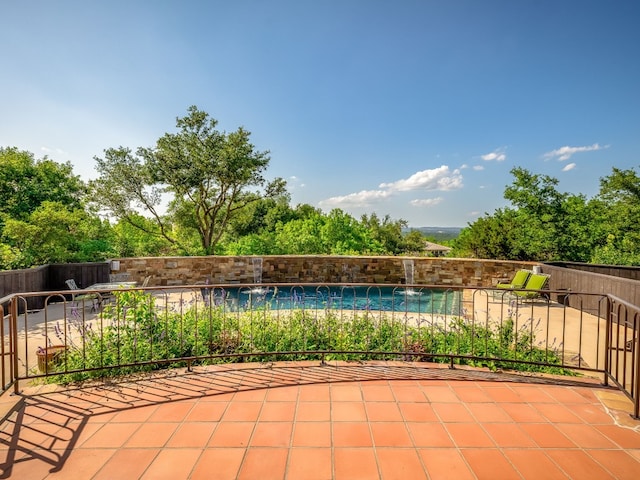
(388, 299)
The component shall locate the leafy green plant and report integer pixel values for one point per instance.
(133, 334)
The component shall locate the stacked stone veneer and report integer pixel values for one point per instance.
(170, 271)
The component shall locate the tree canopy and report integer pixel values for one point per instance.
(543, 224)
(203, 191)
(209, 175)
(196, 191)
(42, 215)
(25, 183)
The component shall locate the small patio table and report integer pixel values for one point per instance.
(111, 287)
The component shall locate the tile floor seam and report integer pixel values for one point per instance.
(287, 464)
(564, 470)
(604, 467)
(331, 434)
(257, 420)
(489, 436)
(142, 474)
(413, 441)
(416, 449)
(140, 427)
(213, 430)
(197, 461)
(464, 459)
(600, 434)
(179, 424)
(441, 422)
(94, 434)
(497, 447)
(373, 443)
(509, 461)
(248, 446)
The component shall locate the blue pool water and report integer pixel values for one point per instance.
(340, 298)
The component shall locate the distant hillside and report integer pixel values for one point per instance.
(439, 233)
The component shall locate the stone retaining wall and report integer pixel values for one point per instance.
(169, 271)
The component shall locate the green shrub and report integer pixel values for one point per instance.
(136, 335)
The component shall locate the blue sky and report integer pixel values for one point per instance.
(416, 109)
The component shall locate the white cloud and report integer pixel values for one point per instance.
(440, 178)
(294, 183)
(569, 166)
(566, 152)
(56, 151)
(365, 198)
(426, 202)
(435, 179)
(478, 168)
(498, 155)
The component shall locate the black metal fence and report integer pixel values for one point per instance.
(138, 329)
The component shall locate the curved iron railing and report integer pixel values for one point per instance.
(132, 329)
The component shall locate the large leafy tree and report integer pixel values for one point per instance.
(542, 224)
(336, 233)
(413, 242)
(41, 213)
(491, 236)
(343, 235)
(301, 237)
(129, 241)
(54, 233)
(618, 204)
(25, 183)
(539, 206)
(262, 216)
(387, 232)
(210, 176)
(272, 227)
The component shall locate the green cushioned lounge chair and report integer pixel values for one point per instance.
(519, 280)
(535, 283)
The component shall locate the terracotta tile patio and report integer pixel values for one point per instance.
(389, 420)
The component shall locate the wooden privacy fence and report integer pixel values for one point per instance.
(621, 271)
(569, 280)
(50, 277)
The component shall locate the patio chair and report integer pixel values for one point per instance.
(519, 280)
(531, 290)
(95, 298)
(145, 282)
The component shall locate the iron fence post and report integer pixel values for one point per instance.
(13, 343)
(635, 348)
(607, 342)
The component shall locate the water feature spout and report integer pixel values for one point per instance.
(409, 269)
(257, 270)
